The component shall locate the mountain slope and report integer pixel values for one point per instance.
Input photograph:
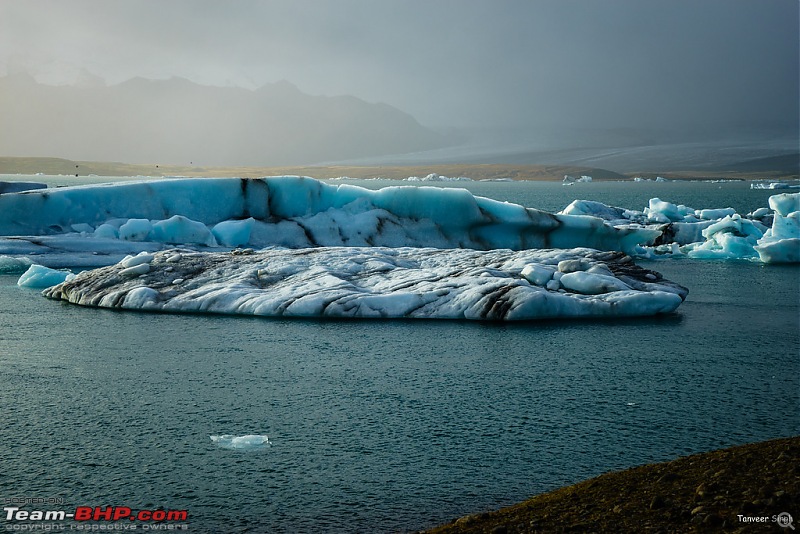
(178, 121)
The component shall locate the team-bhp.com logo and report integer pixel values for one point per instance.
(95, 513)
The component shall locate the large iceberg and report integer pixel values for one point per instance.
(97, 225)
(379, 282)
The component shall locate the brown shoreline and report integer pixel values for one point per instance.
(705, 492)
(58, 166)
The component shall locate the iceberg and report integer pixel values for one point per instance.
(38, 276)
(769, 235)
(248, 442)
(97, 225)
(11, 265)
(379, 282)
(781, 243)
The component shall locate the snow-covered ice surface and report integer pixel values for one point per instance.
(248, 442)
(380, 282)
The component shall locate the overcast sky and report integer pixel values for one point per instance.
(493, 63)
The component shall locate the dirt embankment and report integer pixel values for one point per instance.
(729, 490)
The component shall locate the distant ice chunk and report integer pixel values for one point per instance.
(11, 265)
(713, 214)
(433, 177)
(731, 237)
(248, 442)
(664, 212)
(39, 277)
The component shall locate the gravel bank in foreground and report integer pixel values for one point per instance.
(729, 490)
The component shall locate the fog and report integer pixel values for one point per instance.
(485, 65)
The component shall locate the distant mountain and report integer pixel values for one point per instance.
(178, 121)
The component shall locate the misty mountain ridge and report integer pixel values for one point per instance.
(178, 121)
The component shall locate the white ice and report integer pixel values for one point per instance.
(378, 282)
(248, 442)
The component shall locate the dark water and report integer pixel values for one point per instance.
(382, 426)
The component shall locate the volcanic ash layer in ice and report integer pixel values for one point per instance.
(380, 282)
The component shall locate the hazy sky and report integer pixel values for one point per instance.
(492, 63)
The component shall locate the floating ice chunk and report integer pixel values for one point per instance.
(135, 230)
(781, 243)
(10, 265)
(181, 230)
(779, 251)
(595, 209)
(433, 177)
(731, 237)
(713, 214)
(38, 276)
(771, 185)
(660, 211)
(248, 442)
(733, 223)
(760, 213)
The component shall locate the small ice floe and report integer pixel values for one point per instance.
(248, 442)
(38, 277)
